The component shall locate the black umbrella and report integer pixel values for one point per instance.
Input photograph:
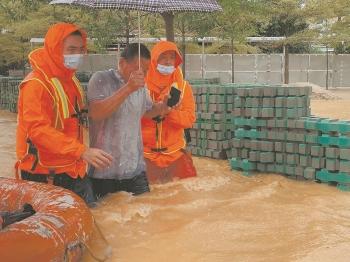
(165, 7)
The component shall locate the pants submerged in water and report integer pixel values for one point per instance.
(81, 186)
(136, 185)
(180, 168)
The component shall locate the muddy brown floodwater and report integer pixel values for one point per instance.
(221, 215)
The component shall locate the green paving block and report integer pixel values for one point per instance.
(344, 126)
(345, 154)
(343, 142)
(310, 173)
(332, 152)
(344, 187)
(247, 165)
(317, 151)
(339, 177)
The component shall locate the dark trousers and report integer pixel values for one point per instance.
(137, 185)
(81, 186)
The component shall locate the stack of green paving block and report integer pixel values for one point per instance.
(268, 132)
(212, 133)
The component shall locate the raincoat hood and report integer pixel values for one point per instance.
(50, 58)
(155, 80)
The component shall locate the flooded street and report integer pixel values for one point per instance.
(221, 215)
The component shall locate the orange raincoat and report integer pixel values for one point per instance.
(167, 147)
(46, 103)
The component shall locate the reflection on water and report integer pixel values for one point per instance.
(219, 216)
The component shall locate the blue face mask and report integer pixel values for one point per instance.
(73, 61)
(165, 70)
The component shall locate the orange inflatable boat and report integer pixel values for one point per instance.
(58, 231)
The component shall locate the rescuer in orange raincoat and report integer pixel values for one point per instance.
(51, 114)
(163, 137)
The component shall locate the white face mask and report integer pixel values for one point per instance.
(73, 61)
(165, 70)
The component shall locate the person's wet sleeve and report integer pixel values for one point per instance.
(97, 87)
(147, 101)
(37, 106)
(184, 116)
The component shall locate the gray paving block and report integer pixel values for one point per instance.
(310, 173)
(270, 168)
(305, 161)
(267, 146)
(291, 123)
(290, 170)
(268, 102)
(267, 157)
(317, 151)
(261, 167)
(245, 153)
(271, 123)
(280, 102)
(235, 152)
(344, 166)
(300, 124)
(332, 164)
(269, 91)
(292, 159)
(280, 146)
(246, 143)
(292, 148)
(279, 158)
(254, 156)
(304, 149)
(237, 143)
(318, 162)
(267, 112)
(332, 152)
(345, 154)
(255, 145)
(299, 171)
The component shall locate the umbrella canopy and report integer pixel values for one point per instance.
(155, 6)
